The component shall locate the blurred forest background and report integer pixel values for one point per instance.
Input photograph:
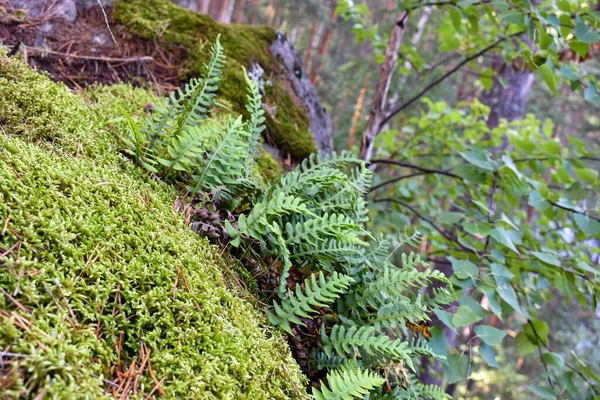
(343, 55)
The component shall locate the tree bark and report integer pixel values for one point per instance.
(203, 6)
(314, 76)
(238, 13)
(510, 101)
(310, 45)
(383, 87)
(254, 10)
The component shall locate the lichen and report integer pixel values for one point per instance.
(244, 46)
(100, 272)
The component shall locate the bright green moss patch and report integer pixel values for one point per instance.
(100, 267)
(244, 45)
(268, 167)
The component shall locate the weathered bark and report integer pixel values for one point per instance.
(238, 13)
(421, 23)
(383, 87)
(319, 121)
(510, 101)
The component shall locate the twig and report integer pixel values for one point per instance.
(417, 167)
(394, 180)
(107, 24)
(142, 59)
(537, 340)
(468, 370)
(573, 211)
(466, 60)
(419, 215)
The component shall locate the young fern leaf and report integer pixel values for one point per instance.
(318, 294)
(347, 342)
(348, 382)
(256, 124)
(221, 168)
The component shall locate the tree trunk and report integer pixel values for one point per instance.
(383, 86)
(225, 11)
(323, 47)
(310, 45)
(203, 6)
(238, 14)
(510, 101)
(254, 11)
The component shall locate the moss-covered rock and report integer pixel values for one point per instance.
(103, 286)
(287, 119)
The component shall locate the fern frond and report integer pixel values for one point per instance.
(256, 124)
(183, 150)
(331, 250)
(317, 294)
(347, 342)
(221, 168)
(419, 347)
(314, 230)
(256, 223)
(320, 361)
(347, 383)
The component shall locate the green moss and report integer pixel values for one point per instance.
(244, 45)
(36, 109)
(268, 167)
(100, 267)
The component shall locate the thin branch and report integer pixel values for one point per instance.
(401, 107)
(398, 178)
(537, 340)
(419, 215)
(417, 167)
(573, 211)
(446, 3)
(92, 58)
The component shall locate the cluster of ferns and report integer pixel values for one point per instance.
(313, 217)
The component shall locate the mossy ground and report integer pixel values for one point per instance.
(99, 273)
(244, 45)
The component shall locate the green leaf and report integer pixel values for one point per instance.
(490, 335)
(587, 174)
(482, 229)
(480, 159)
(446, 318)
(505, 291)
(587, 225)
(524, 345)
(463, 269)
(542, 391)
(554, 359)
(464, 316)
(585, 34)
(580, 48)
(487, 353)
(438, 341)
(585, 368)
(549, 78)
(450, 217)
(504, 238)
(456, 367)
(547, 258)
(541, 331)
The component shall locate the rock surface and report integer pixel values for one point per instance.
(320, 123)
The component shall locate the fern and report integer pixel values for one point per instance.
(221, 168)
(256, 123)
(318, 294)
(347, 341)
(347, 383)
